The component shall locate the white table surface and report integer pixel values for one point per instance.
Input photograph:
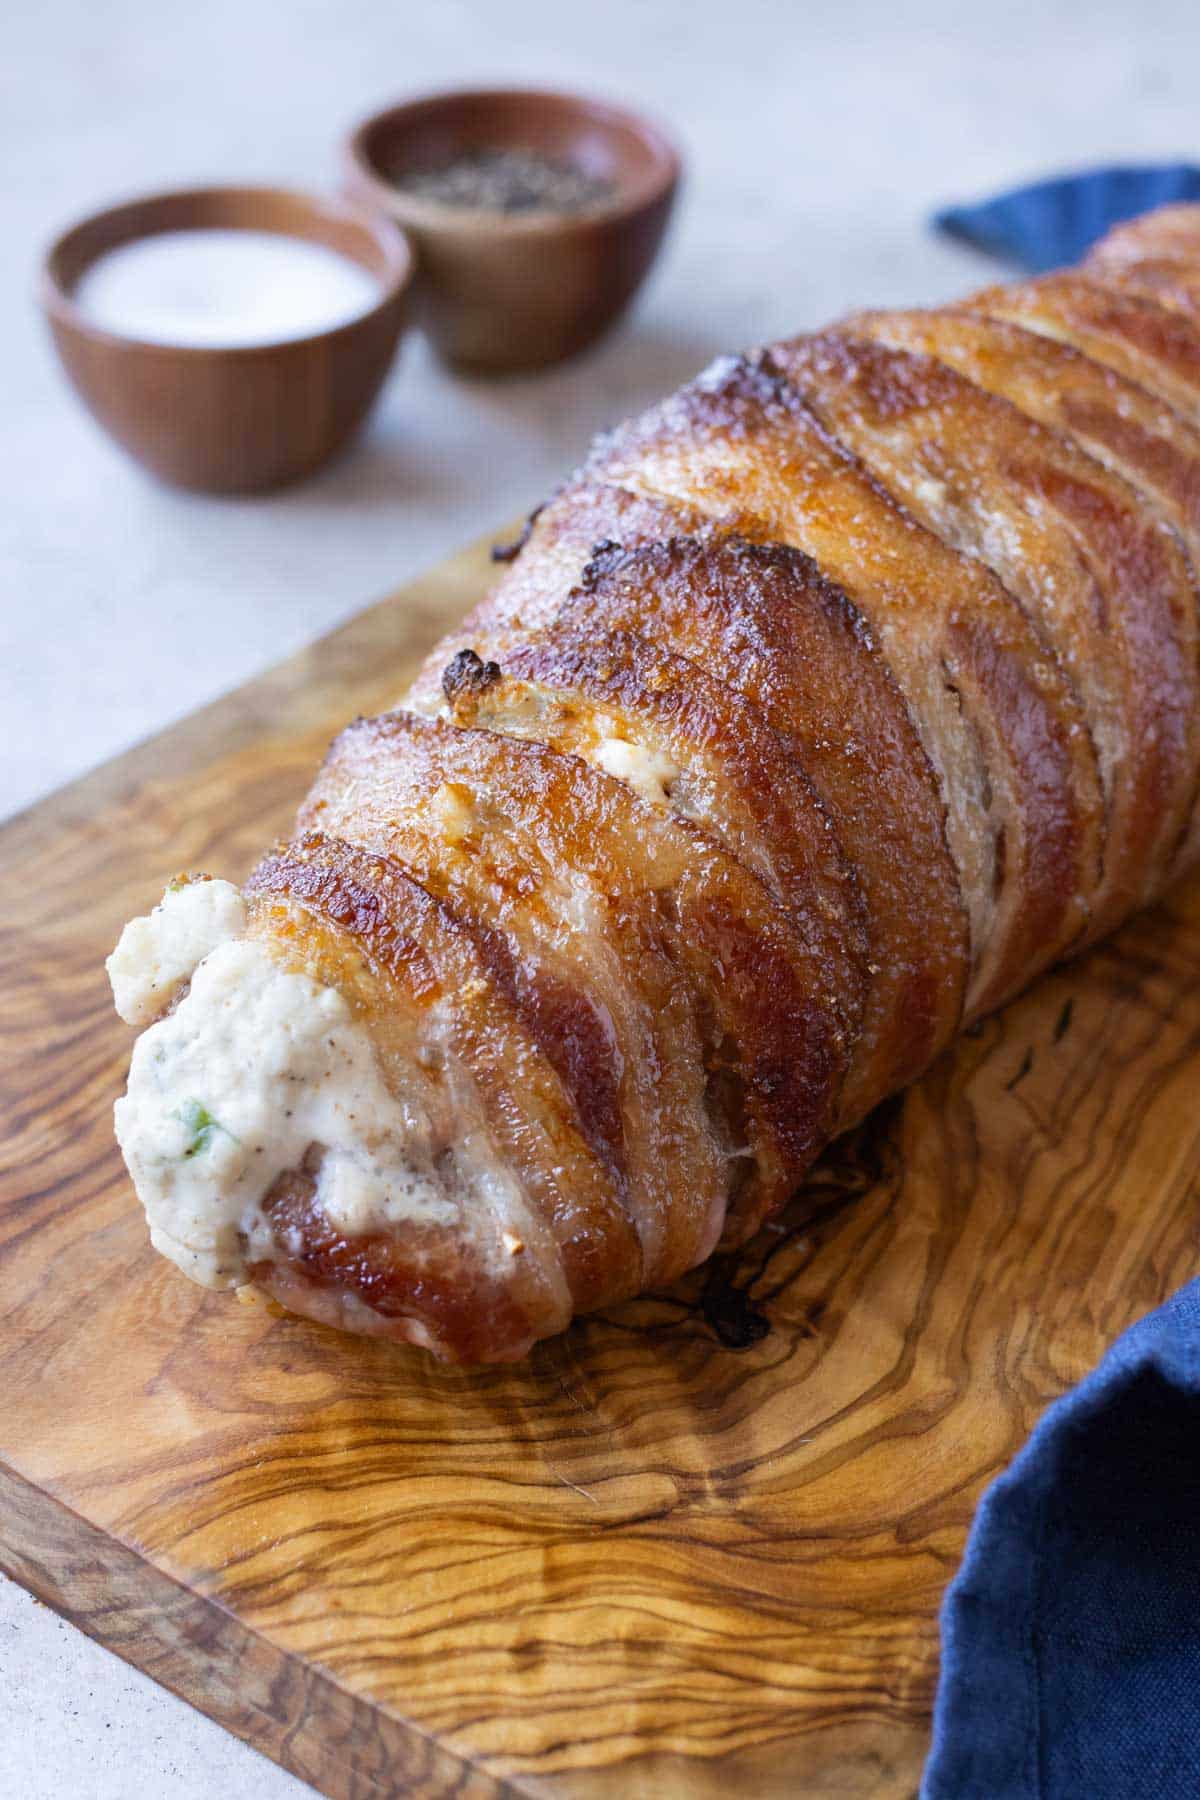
(818, 138)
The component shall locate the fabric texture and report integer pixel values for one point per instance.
(1071, 1635)
(1057, 221)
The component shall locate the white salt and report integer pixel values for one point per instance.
(212, 287)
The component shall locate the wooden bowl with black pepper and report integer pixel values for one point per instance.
(536, 216)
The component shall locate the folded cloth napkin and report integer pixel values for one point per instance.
(1071, 1634)
(1057, 221)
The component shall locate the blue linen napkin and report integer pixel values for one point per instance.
(1071, 1634)
(1057, 221)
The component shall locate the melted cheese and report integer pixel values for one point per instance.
(454, 808)
(647, 772)
(255, 1064)
(157, 953)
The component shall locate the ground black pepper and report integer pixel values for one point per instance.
(508, 181)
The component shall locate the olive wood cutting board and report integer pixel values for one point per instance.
(694, 1547)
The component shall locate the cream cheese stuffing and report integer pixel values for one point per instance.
(254, 1064)
(158, 953)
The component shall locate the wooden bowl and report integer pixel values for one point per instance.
(230, 420)
(498, 291)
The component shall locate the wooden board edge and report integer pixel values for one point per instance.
(296, 1715)
(257, 707)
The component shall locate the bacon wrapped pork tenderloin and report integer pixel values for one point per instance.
(830, 702)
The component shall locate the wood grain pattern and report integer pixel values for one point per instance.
(646, 1562)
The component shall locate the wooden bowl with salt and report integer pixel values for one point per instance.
(151, 338)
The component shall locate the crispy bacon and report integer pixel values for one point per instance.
(1109, 590)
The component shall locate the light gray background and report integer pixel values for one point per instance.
(817, 136)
